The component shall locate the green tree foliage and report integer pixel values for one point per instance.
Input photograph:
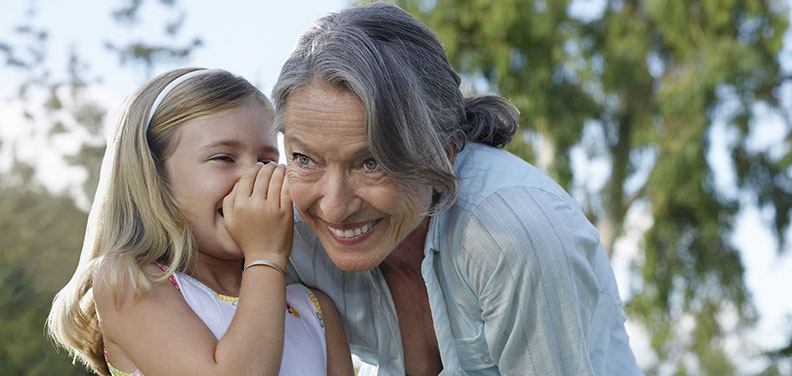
(641, 85)
(68, 97)
(151, 54)
(41, 232)
(40, 235)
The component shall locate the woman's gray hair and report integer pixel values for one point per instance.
(414, 109)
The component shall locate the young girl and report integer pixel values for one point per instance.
(182, 269)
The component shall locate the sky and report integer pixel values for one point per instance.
(253, 39)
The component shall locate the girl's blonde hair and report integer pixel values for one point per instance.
(138, 222)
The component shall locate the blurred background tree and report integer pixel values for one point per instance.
(41, 233)
(640, 85)
(36, 243)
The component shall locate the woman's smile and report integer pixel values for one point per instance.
(352, 233)
(359, 212)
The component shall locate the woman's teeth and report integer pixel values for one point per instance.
(351, 233)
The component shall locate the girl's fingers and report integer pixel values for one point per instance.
(263, 179)
(285, 194)
(247, 181)
(276, 183)
(228, 202)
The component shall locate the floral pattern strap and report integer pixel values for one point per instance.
(317, 307)
(116, 372)
(172, 277)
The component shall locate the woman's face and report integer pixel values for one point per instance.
(359, 212)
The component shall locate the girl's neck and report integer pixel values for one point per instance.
(222, 276)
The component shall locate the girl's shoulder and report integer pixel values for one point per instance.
(143, 317)
(119, 280)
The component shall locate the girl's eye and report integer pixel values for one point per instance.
(223, 158)
(370, 164)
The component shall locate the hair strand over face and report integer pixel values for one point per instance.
(414, 109)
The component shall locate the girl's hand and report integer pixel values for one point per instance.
(258, 214)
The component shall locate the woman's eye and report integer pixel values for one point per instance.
(371, 164)
(301, 159)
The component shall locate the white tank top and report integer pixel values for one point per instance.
(304, 346)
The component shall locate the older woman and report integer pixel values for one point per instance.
(443, 252)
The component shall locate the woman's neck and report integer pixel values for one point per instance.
(409, 254)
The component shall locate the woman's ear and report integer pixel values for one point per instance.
(451, 150)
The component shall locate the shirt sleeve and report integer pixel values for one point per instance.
(529, 257)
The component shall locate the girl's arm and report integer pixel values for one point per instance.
(159, 333)
(339, 359)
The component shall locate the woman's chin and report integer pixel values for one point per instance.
(354, 262)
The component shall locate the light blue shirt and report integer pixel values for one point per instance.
(518, 281)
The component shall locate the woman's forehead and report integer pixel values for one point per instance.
(322, 95)
(322, 110)
(325, 141)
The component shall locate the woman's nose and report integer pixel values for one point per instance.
(339, 200)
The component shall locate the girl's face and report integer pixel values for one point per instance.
(210, 155)
(358, 211)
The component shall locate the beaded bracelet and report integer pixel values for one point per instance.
(265, 263)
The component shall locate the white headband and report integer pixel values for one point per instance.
(172, 85)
